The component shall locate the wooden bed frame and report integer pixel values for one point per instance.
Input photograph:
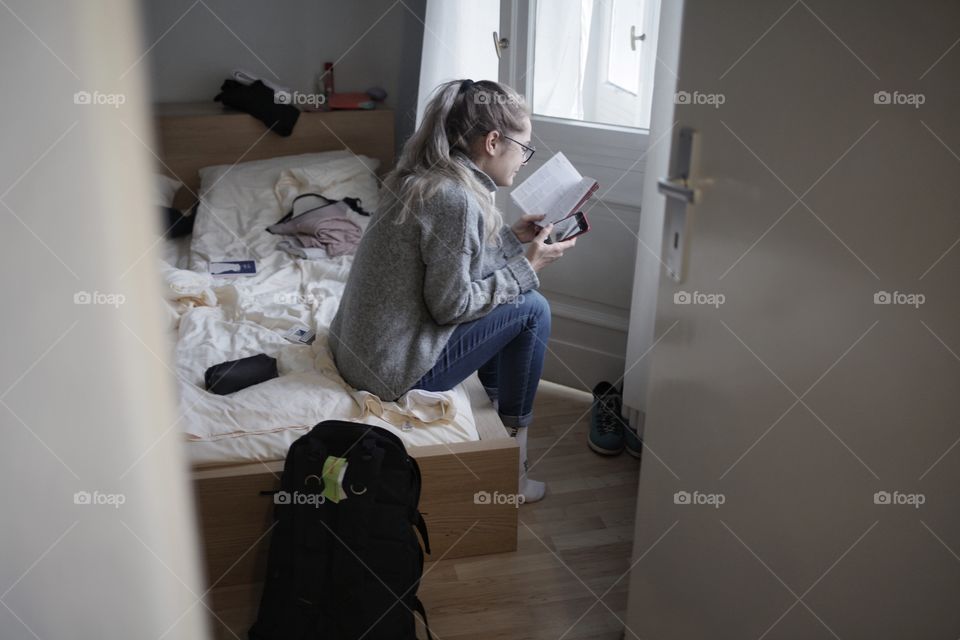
(234, 517)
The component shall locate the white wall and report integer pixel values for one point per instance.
(372, 43)
(87, 401)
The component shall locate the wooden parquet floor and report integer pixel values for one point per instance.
(567, 578)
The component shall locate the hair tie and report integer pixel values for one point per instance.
(466, 84)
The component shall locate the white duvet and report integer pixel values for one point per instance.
(221, 319)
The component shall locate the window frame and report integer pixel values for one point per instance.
(518, 23)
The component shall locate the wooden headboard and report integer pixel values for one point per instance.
(191, 136)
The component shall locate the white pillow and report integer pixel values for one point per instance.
(238, 204)
(165, 189)
(261, 174)
(353, 177)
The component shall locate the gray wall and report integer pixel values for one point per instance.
(372, 44)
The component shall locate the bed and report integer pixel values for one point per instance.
(244, 178)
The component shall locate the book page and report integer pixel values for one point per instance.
(571, 198)
(553, 189)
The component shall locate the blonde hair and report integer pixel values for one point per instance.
(453, 120)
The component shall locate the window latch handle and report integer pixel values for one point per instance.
(500, 44)
(634, 37)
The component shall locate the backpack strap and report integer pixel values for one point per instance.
(418, 607)
(421, 525)
(307, 528)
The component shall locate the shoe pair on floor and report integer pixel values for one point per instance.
(609, 432)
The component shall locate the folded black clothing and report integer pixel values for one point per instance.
(234, 375)
(175, 224)
(258, 100)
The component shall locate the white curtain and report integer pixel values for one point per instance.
(457, 43)
(562, 38)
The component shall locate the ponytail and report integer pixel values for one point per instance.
(459, 112)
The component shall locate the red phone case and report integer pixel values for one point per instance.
(583, 229)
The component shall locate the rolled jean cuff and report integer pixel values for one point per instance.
(516, 422)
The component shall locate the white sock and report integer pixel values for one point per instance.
(531, 490)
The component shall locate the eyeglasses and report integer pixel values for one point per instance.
(527, 151)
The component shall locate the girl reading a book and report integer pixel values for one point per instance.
(440, 287)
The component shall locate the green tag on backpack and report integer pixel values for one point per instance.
(334, 470)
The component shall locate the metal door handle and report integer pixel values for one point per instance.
(677, 186)
(677, 189)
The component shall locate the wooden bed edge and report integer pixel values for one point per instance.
(493, 436)
(235, 515)
(420, 452)
(460, 483)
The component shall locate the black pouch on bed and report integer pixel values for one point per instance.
(347, 569)
(175, 224)
(259, 100)
(228, 377)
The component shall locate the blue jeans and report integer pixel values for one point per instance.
(506, 348)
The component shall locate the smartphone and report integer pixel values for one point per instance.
(569, 228)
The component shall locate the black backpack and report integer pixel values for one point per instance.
(348, 569)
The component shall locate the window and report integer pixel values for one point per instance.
(593, 60)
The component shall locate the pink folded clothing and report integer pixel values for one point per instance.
(327, 226)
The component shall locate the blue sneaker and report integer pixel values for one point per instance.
(606, 424)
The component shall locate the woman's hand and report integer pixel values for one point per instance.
(526, 228)
(540, 254)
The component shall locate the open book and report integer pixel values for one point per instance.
(556, 189)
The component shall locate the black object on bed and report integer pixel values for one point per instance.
(175, 224)
(259, 100)
(307, 202)
(234, 375)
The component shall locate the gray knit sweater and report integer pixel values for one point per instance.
(411, 285)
